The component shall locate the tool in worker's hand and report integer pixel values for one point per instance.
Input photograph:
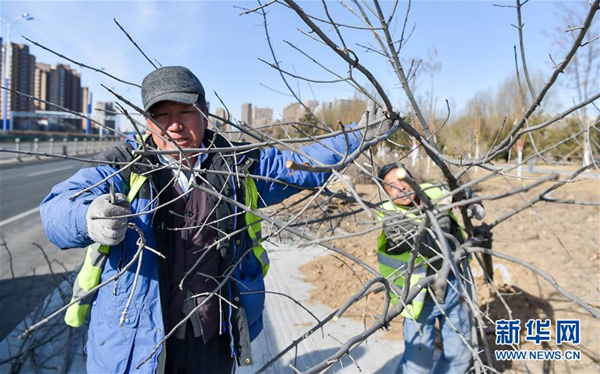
(484, 232)
(113, 197)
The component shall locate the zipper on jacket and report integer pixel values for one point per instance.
(119, 268)
(154, 205)
(235, 211)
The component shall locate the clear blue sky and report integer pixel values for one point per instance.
(474, 41)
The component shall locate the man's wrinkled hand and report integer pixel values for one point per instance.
(102, 227)
(375, 121)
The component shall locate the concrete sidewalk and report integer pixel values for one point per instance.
(284, 321)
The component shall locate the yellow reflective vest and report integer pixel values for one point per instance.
(393, 265)
(97, 254)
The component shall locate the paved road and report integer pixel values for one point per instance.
(30, 266)
(22, 188)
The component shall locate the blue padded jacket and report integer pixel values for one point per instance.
(115, 349)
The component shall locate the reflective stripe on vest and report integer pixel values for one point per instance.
(254, 225)
(392, 265)
(93, 265)
(96, 254)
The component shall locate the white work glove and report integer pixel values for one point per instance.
(476, 211)
(374, 121)
(108, 231)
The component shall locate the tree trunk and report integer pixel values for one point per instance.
(415, 153)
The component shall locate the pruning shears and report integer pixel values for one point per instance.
(113, 196)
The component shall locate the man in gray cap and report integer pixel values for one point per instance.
(172, 97)
(201, 264)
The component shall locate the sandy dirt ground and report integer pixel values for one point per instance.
(559, 239)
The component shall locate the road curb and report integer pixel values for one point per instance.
(12, 163)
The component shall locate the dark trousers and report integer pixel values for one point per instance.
(191, 355)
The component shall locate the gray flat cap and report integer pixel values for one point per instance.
(171, 83)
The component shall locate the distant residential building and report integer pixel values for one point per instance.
(261, 116)
(221, 125)
(339, 104)
(56, 84)
(21, 69)
(60, 85)
(255, 116)
(85, 99)
(104, 114)
(294, 112)
(247, 113)
(221, 113)
(41, 75)
(65, 88)
(345, 111)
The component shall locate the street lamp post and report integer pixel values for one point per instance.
(89, 113)
(7, 52)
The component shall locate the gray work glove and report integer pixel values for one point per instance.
(108, 231)
(476, 211)
(375, 121)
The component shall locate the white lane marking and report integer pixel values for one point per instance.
(19, 216)
(49, 171)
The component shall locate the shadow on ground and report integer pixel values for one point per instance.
(20, 296)
(346, 365)
(524, 307)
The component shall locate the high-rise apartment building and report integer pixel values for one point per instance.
(261, 116)
(56, 84)
(21, 78)
(247, 113)
(60, 85)
(294, 112)
(221, 125)
(23, 67)
(65, 87)
(220, 112)
(85, 99)
(255, 116)
(340, 104)
(40, 90)
(105, 115)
